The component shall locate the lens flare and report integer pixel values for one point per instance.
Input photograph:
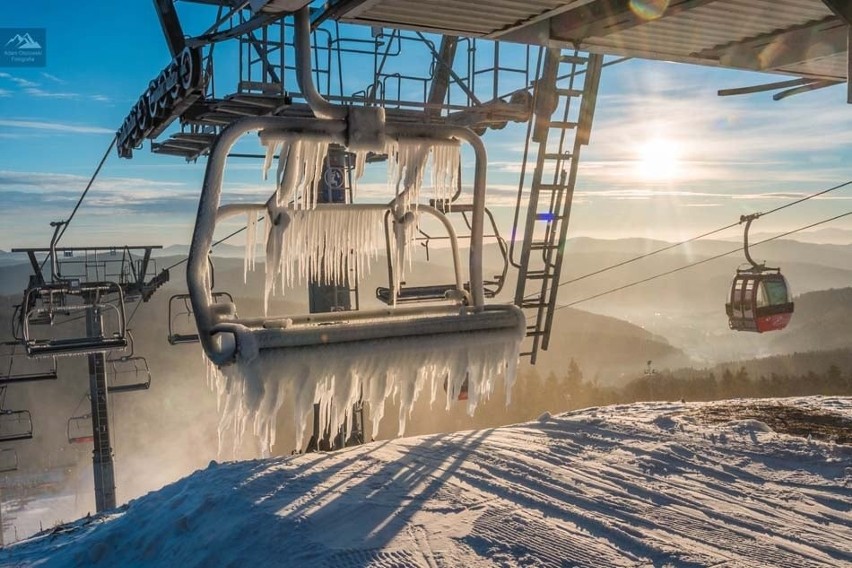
(649, 9)
(658, 160)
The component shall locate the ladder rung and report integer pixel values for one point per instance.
(530, 304)
(563, 124)
(557, 156)
(540, 275)
(549, 186)
(577, 59)
(569, 92)
(542, 245)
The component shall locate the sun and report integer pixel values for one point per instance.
(658, 159)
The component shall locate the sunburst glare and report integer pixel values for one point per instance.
(658, 159)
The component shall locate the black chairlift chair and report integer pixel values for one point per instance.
(8, 460)
(180, 312)
(50, 301)
(18, 368)
(79, 429)
(15, 425)
(759, 298)
(128, 373)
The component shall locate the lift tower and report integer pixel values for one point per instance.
(96, 281)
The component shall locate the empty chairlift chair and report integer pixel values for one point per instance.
(16, 367)
(8, 460)
(181, 321)
(760, 299)
(332, 338)
(79, 429)
(62, 302)
(15, 424)
(128, 373)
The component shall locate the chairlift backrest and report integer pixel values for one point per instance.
(16, 367)
(128, 374)
(181, 317)
(15, 425)
(8, 460)
(79, 429)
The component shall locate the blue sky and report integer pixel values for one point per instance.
(668, 157)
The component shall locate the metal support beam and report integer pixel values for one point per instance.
(102, 456)
(605, 17)
(842, 8)
(784, 47)
(441, 79)
(170, 23)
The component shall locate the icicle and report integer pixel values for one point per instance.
(252, 391)
(446, 159)
(358, 171)
(321, 244)
(251, 244)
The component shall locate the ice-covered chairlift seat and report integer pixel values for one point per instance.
(421, 327)
(91, 292)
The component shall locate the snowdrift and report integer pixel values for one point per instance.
(645, 484)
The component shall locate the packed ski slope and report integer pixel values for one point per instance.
(667, 484)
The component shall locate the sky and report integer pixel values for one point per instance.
(668, 157)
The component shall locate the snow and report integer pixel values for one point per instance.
(252, 391)
(599, 487)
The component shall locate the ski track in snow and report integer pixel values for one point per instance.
(639, 485)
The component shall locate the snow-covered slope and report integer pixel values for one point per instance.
(640, 485)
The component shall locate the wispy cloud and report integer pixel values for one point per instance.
(53, 78)
(56, 126)
(18, 81)
(34, 89)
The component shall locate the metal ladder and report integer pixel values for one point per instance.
(565, 96)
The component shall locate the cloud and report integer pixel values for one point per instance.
(5, 93)
(18, 81)
(34, 89)
(109, 195)
(56, 126)
(41, 93)
(53, 78)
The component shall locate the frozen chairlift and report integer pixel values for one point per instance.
(340, 355)
(79, 429)
(223, 336)
(760, 298)
(352, 346)
(129, 373)
(8, 460)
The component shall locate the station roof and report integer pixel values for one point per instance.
(805, 38)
